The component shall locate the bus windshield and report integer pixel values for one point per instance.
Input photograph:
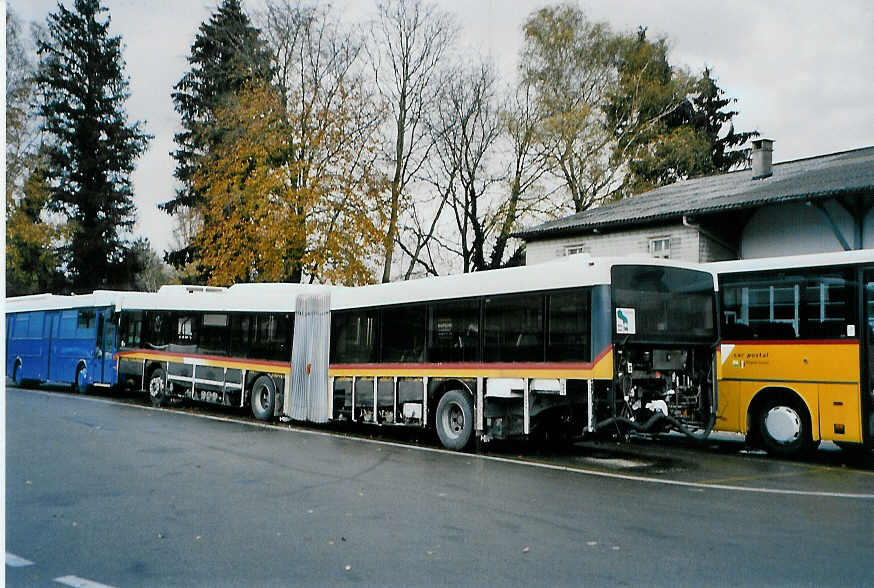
(668, 304)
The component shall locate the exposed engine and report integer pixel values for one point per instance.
(657, 389)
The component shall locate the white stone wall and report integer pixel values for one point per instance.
(796, 229)
(684, 244)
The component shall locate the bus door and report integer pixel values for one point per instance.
(48, 336)
(105, 347)
(867, 340)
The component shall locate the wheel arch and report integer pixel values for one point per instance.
(151, 366)
(249, 382)
(772, 392)
(440, 389)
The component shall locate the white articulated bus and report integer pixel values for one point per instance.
(569, 347)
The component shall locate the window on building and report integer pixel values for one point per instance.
(660, 247)
(575, 249)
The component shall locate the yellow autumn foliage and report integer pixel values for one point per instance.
(286, 198)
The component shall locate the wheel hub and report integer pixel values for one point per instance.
(155, 387)
(783, 424)
(455, 420)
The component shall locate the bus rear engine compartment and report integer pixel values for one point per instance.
(657, 389)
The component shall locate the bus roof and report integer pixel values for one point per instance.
(567, 272)
(792, 261)
(98, 298)
(564, 272)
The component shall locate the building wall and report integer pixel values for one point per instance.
(783, 229)
(795, 229)
(684, 244)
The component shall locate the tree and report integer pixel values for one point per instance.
(91, 148)
(32, 265)
(413, 37)
(149, 271)
(683, 143)
(260, 221)
(31, 261)
(649, 88)
(575, 66)
(332, 121)
(529, 162)
(227, 53)
(467, 130)
(710, 119)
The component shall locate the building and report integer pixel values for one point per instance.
(810, 205)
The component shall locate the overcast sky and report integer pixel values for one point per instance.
(802, 71)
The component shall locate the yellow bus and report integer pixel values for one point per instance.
(794, 364)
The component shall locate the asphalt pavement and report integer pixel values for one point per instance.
(121, 495)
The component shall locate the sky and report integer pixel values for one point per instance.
(802, 71)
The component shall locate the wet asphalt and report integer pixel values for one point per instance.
(102, 489)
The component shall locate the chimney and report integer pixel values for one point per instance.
(761, 156)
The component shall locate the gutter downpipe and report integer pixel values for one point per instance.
(719, 240)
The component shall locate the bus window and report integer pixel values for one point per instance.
(156, 329)
(780, 305)
(568, 336)
(271, 336)
(19, 331)
(22, 322)
(453, 331)
(514, 328)
(353, 336)
(131, 329)
(183, 331)
(240, 334)
(403, 333)
(827, 307)
(34, 327)
(213, 334)
(67, 324)
(87, 319)
(671, 304)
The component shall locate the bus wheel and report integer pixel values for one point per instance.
(454, 420)
(263, 398)
(784, 427)
(80, 383)
(158, 388)
(16, 374)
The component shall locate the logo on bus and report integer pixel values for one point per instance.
(625, 323)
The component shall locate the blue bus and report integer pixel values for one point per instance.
(62, 339)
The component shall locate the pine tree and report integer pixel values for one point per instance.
(709, 118)
(91, 148)
(227, 53)
(686, 137)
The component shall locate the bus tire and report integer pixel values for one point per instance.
(157, 388)
(80, 382)
(263, 398)
(784, 427)
(454, 420)
(16, 373)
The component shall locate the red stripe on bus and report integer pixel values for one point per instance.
(476, 364)
(157, 353)
(420, 365)
(791, 342)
